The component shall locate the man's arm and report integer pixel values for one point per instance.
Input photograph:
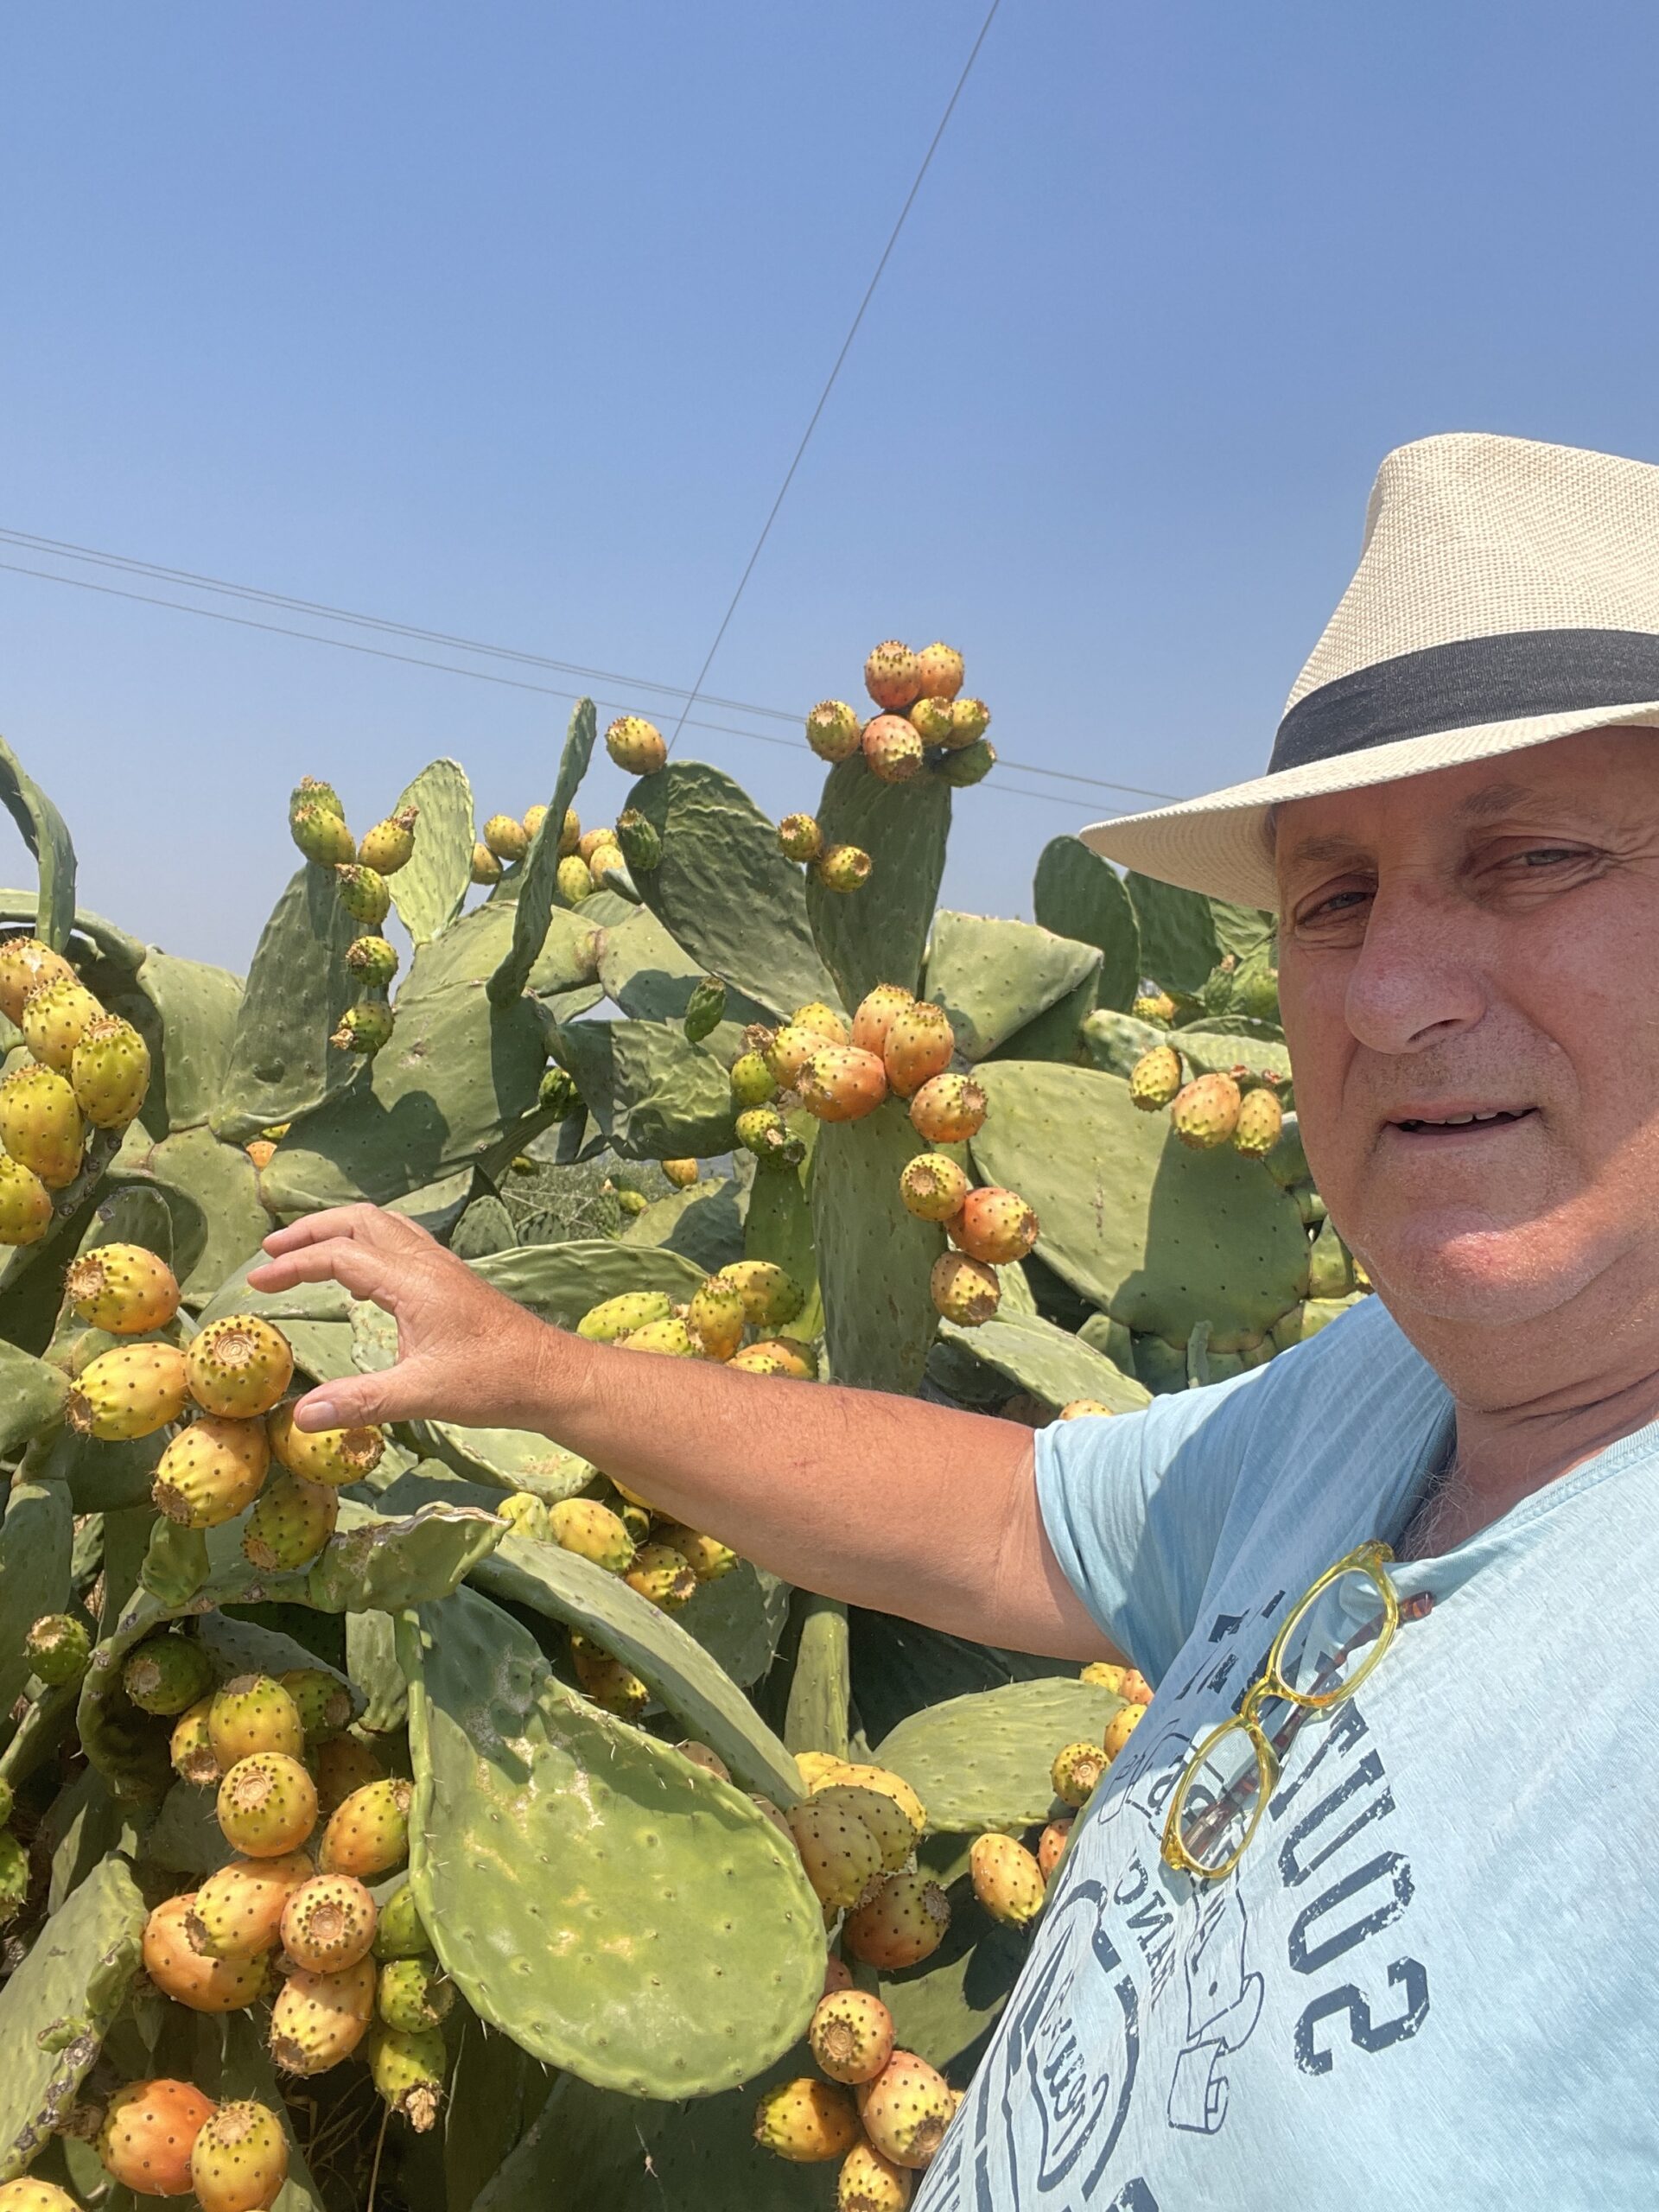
(886, 1502)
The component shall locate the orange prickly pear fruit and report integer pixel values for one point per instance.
(40, 1125)
(240, 2160)
(1007, 1879)
(899, 1924)
(1121, 1725)
(833, 730)
(1100, 1674)
(806, 2122)
(389, 845)
(25, 964)
(182, 1972)
(1136, 1687)
(893, 675)
(331, 1456)
(110, 1072)
(211, 1472)
(1261, 1118)
(680, 1174)
(947, 1110)
(906, 2109)
(150, 2130)
(932, 1187)
(25, 1203)
(875, 1014)
(842, 867)
(940, 666)
(131, 1391)
(893, 749)
(261, 1150)
(851, 2036)
(994, 1225)
(368, 1835)
(837, 1974)
(918, 1045)
(570, 834)
(965, 1290)
(56, 1017)
(1207, 1112)
(319, 2019)
(636, 744)
(1051, 1847)
(1155, 1078)
(800, 837)
(123, 1288)
(841, 1083)
(238, 1366)
(328, 1924)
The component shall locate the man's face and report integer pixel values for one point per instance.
(1483, 941)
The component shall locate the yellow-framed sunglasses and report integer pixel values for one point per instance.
(1207, 1832)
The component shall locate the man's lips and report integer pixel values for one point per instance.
(1460, 1121)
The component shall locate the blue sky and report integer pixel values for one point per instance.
(504, 320)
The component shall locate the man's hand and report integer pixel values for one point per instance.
(465, 1353)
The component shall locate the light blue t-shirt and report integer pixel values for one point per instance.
(1433, 1980)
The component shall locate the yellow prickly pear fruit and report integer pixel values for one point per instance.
(906, 2109)
(621, 1316)
(833, 730)
(191, 1747)
(780, 1355)
(870, 2183)
(25, 964)
(254, 1712)
(315, 791)
(965, 1290)
(1154, 1006)
(1007, 1879)
(330, 1456)
(525, 1515)
(1084, 1409)
(899, 1923)
(806, 2122)
(591, 840)
(821, 1771)
(1076, 1770)
(892, 750)
(823, 1021)
(211, 1471)
(842, 867)
(706, 1556)
(364, 894)
(770, 1298)
(932, 1187)
(533, 818)
(570, 834)
(841, 1856)
(817, 1768)
(110, 1072)
(592, 1531)
(1101, 1674)
(682, 1174)
(131, 1391)
(800, 837)
(1155, 1078)
(368, 1833)
(671, 1338)
(123, 1288)
(606, 1680)
(40, 1125)
(389, 845)
(507, 837)
(321, 833)
(25, 1203)
(969, 720)
(1121, 1727)
(485, 867)
(574, 880)
(30, 2195)
(884, 1816)
(239, 2162)
(636, 744)
(660, 1574)
(1261, 1118)
(56, 1016)
(319, 2019)
(931, 719)
(238, 1366)
(1205, 1113)
(237, 1912)
(789, 1051)
(328, 1924)
(291, 1522)
(940, 668)
(180, 1971)
(893, 675)
(850, 2035)
(716, 1318)
(918, 1045)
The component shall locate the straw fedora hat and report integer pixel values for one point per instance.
(1507, 594)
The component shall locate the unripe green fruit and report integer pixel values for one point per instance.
(291, 1522)
(616, 1316)
(806, 2122)
(407, 2069)
(56, 1015)
(364, 894)
(165, 1673)
(40, 1125)
(250, 1714)
(390, 844)
(238, 1366)
(322, 1700)
(558, 1095)
(313, 790)
(1007, 1879)
(14, 1876)
(110, 1073)
(372, 961)
(401, 1933)
(800, 837)
(321, 834)
(25, 1203)
(842, 867)
(131, 1391)
(58, 1648)
(123, 1288)
(752, 1082)
(364, 1027)
(239, 2159)
(969, 766)
(592, 1531)
(414, 1994)
(969, 720)
(759, 1129)
(706, 1009)
(631, 1203)
(211, 1472)
(636, 744)
(640, 841)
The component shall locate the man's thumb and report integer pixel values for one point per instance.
(350, 1400)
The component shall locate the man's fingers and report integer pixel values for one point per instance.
(364, 1272)
(361, 1223)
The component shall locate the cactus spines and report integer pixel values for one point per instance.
(659, 1574)
(870, 2183)
(833, 730)
(807, 2122)
(842, 867)
(486, 868)
(322, 1700)
(329, 1456)
(969, 720)
(401, 1933)
(930, 720)
(886, 1819)
(389, 845)
(328, 1924)
(211, 1472)
(56, 1015)
(892, 674)
(253, 1713)
(364, 894)
(25, 1203)
(800, 837)
(918, 1045)
(994, 1225)
(240, 2158)
(41, 1126)
(900, 1925)
(123, 1288)
(841, 1083)
(267, 1805)
(610, 1685)
(57, 1648)
(28, 2195)
(319, 2019)
(851, 2036)
(342, 1764)
(947, 1110)
(640, 841)
(372, 961)
(526, 1515)
(592, 1530)
(150, 2130)
(932, 1187)
(321, 833)
(26, 963)
(414, 1994)
(1155, 1078)
(166, 1672)
(1051, 1847)
(182, 1972)
(706, 1556)
(963, 1290)
(971, 766)
(770, 1298)
(621, 1316)
(368, 1835)
(841, 1856)
(1076, 1770)
(1007, 1879)
(191, 1748)
(292, 1520)
(893, 749)
(939, 670)
(1261, 1118)
(407, 2067)
(875, 1013)
(906, 2109)
(238, 1366)
(1205, 1113)
(131, 1391)
(1121, 1725)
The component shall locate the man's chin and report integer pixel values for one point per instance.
(1478, 1275)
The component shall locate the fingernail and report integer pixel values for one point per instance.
(316, 1412)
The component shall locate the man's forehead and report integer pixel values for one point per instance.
(1308, 831)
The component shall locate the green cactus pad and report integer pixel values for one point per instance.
(1212, 1052)
(993, 977)
(46, 836)
(941, 2008)
(874, 1258)
(430, 889)
(878, 934)
(537, 878)
(677, 1982)
(817, 1717)
(212, 1195)
(562, 1281)
(1159, 1237)
(1077, 895)
(1179, 944)
(509, 1458)
(1115, 1041)
(654, 1096)
(704, 1223)
(651, 978)
(32, 1396)
(982, 1762)
(36, 1539)
(281, 1063)
(1050, 1363)
(196, 1009)
(384, 1564)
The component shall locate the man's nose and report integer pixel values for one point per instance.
(1416, 982)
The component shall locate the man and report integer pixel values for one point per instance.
(1391, 1937)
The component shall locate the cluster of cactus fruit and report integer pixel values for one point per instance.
(317, 822)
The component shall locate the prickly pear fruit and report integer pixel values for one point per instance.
(1205, 1113)
(166, 1672)
(573, 881)
(969, 720)
(1155, 1078)
(706, 1556)
(369, 1834)
(767, 1359)
(823, 1021)
(592, 1530)
(322, 1700)
(706, 1009)
(191, 1748)
(329, 1456)
(841, 1083)
(123, 1288)
(40, 1125)
(56, 1015)
(238, 1366)
(893, 749)
(1084, 1409)
(364, 894)
(791, 1050)
(1006, 1880)
(25, 1203)
(400, 1934)
(994, 1225)
(25, 964)
(833, 730)
(291, 1522)
(895, 1838)
(372, 961)
(316, 791)
(965, 1290)
(328, 1924)
(507, 837)
(1153, 1005)
(57, 1648)
(590, 843)
(670, 1338)
(389, 845)
(526, 1515)
(882, 1779)
(807, 2122)
(558, 1095)
(870, 2183)
(947, 1110)
(710, 1762)
(968, 767)
(680, 1174)
(131, 1391)
(837, 1974)
(716, 1318)
(486, 868)
(1135, 1686)
(240, 2160)
(319, 2019)
(892, 674)
(770, 1297)
(267, 1805)
(619, 1317)
(414, 1994)
(932, 1187)
(321, 834)
(842, 867)
(261, 1150)
(906, 2109)
(606, 1680)
(342, 1764)
(364, 1027)
(1101, 1674)
(1051, 1847)
(532, 818)
(874, 1016)
(30, 2195)
(1076, 1770)
(930, 720)
(211, 1472)
(636, 744)
(940, 670)
(407, 2069)
(1261, 1118)
(640, 839)
(1256, 994)
(800, 837)
(182, 1972)
(1121, 1725)
(659, 1574)
(902, 1924)
(761, 1129)
(253, 1713)
(851, 2036)
(841, 1856)
(918, 1045)
(150, 2130)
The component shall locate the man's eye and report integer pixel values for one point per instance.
(1332, 908)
